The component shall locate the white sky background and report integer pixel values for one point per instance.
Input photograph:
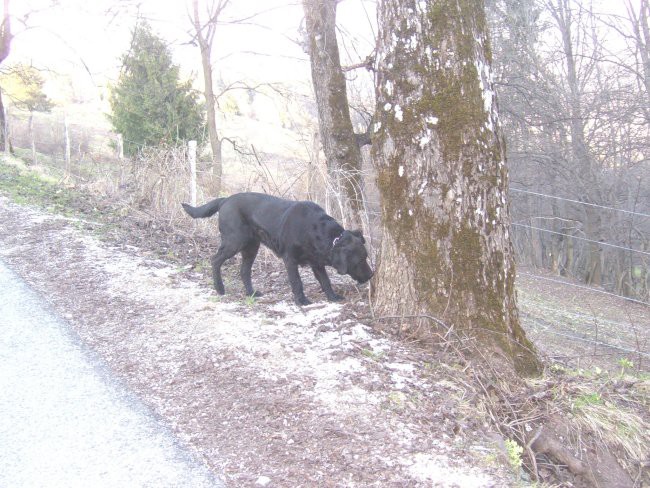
(82, 40)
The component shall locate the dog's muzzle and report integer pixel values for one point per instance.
(366, 277)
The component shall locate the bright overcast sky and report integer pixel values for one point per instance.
(83, 39)
(79, 37)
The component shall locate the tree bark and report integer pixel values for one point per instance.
(204, 37)
(337, 134)
(446, 251)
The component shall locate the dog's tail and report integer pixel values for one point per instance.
(206, 210)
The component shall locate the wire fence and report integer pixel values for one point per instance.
(579, 202)
(584, 239)
(568, 319)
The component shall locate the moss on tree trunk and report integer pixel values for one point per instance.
(443, 177)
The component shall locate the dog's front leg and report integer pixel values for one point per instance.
(296, 282)
(325, 284)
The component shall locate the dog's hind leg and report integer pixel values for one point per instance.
(248, 255)
(225, 252)
(325, 284)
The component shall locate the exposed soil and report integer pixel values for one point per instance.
(263, 392)
(267, 393)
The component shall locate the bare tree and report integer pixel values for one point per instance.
(575, 115)
(5, 47)
(564, 13)
(446, 255)
(204, 29)
(337, 134)
(640, 27)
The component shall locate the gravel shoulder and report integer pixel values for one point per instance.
(264, 393)
(65, 420)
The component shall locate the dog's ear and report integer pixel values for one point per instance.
(359, 234)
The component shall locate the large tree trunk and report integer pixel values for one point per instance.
(446, 251)
(339, 143)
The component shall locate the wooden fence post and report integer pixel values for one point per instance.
(5, 129)
(191, 156)
(66, 137)
(31, 137)
(120, 147)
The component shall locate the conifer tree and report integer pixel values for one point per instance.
(150, 104)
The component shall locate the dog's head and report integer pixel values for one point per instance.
(349, 256)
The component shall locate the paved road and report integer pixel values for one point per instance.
(64, 422)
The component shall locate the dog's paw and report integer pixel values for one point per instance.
(335, 297)
(302, 301)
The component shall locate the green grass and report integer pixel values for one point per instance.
(587, 399)
(27, 187)
(375, 356)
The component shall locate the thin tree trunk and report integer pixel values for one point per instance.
(215, 141)
(446, 251)
(337, 134)
(205, 37)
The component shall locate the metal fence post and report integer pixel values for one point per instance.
(120, 147)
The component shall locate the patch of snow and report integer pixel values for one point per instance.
(425, 139)
(485, 82)
(263, 480)
(310, 346)
(403, 367)
(40, 218)
(400, 170)
(389, 87)
(412, 42)
(398, 113)
(427, 467)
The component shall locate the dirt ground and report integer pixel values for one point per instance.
(581, 327)
(264, 392)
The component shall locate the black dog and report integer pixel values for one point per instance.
(298, 232)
